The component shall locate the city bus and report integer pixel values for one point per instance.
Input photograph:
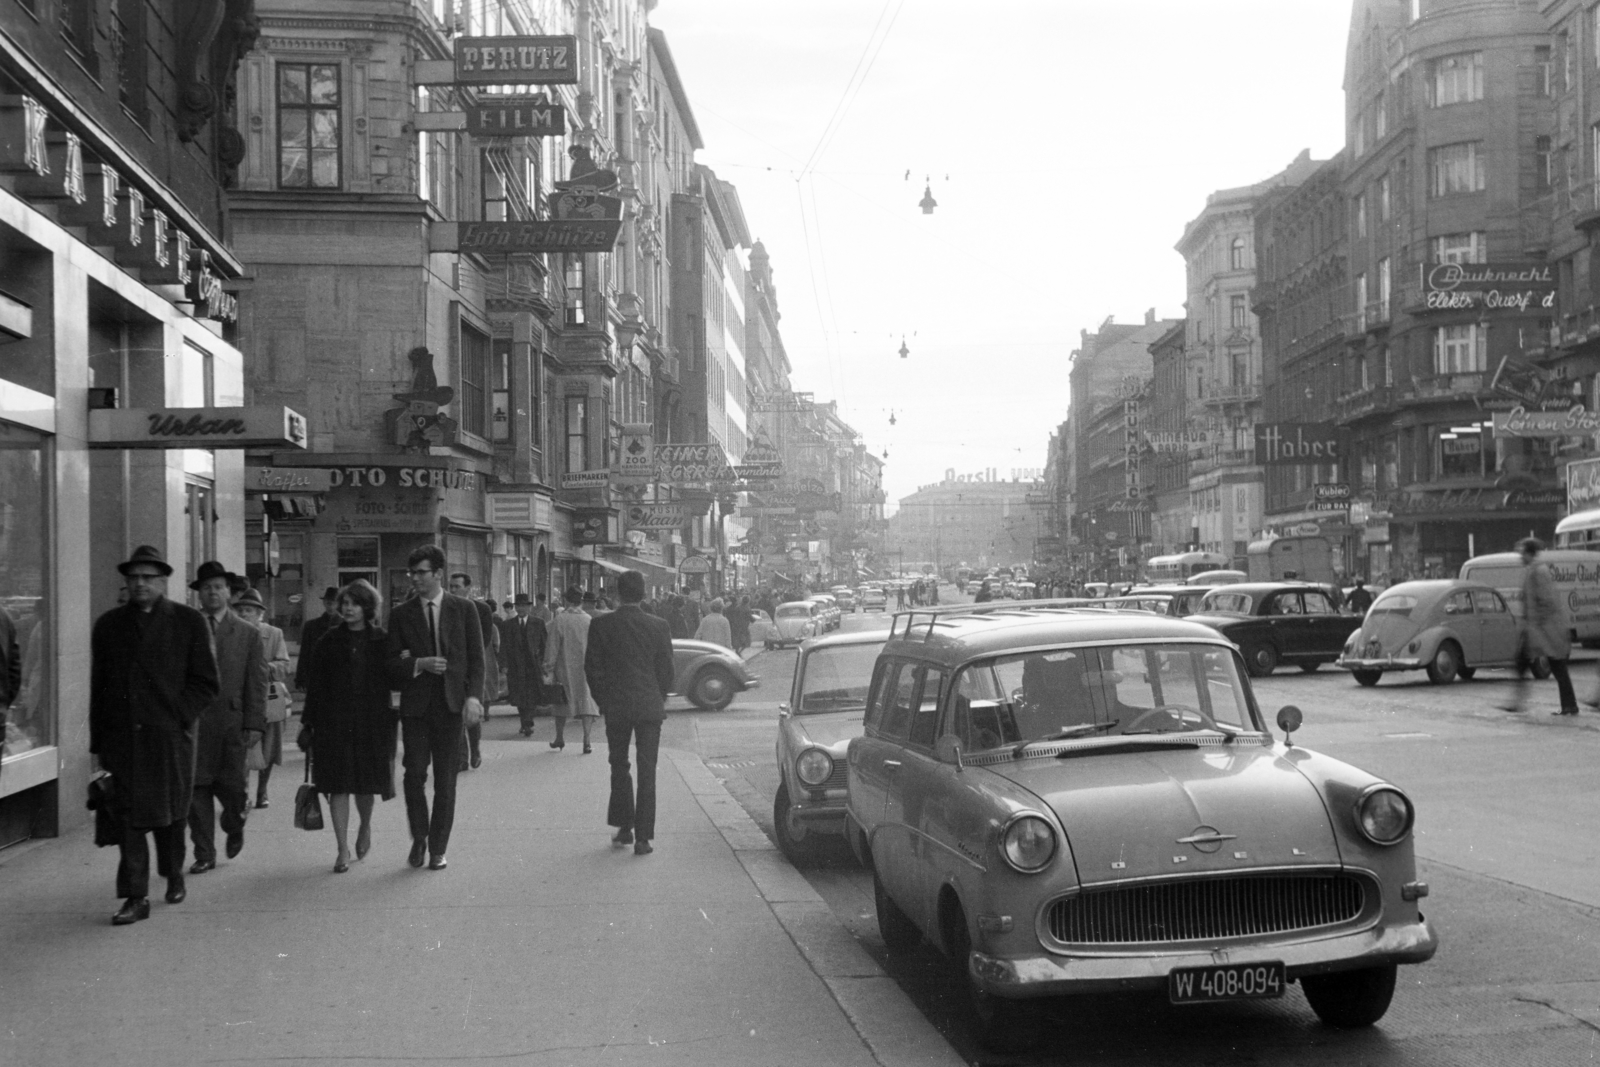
(1171, 570)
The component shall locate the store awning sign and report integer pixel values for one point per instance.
(516, 60)
(657, 516)
(1576, 421)
(1583, 485)
(287, 480)
(262, 426)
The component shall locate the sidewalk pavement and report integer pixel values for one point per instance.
(540, 944)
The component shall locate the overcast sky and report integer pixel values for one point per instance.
(1067, 142)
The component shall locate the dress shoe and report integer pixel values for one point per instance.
(477, 760)
(133, 909)
(202, 866)
(176, 891)
(623, 836)
(235, 843)
(341, 864)
(262, 802)
(587, 749)
(419, 852)
(558, 744)
(363, 842)
(437, 863)
(642, 847)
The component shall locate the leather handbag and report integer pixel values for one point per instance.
(307, 804)
(277, 709)
(553, 693)
(107, 826)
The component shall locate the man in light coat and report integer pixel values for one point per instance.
(1547, 629)
(563, 662)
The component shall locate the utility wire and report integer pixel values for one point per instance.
(843, 96)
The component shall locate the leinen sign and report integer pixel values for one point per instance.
(1576, 421)
(1583, 485)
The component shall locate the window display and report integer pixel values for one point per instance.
(26, 683)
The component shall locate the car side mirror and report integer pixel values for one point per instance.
(948, 750)
(783, 711)
(1289, 719)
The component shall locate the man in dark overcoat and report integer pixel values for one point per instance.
(461, 586)
(312, 632)
(151, 676)
(629, 668)
(230, 725)
(523, 646)
(435, 657)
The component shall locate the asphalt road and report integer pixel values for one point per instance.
(1508, 836)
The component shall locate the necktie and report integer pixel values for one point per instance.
(433, 632)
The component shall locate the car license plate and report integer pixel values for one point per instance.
(1228, 981)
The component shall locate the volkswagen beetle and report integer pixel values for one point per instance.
(708, 674)
(794, 622)
(1448, 627)
(1072, 800)
(826, 700)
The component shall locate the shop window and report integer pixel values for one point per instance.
(308, 126)
(357, 558)
(576, 291)
(1458, 454)
(577, 451)
(474, 381)
(24, 591)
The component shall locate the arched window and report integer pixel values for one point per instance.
(1236, 254)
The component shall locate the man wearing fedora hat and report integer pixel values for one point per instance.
(525, 637)
(232, 722)
(312, 632)
(151, 677)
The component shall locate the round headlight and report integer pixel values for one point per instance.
(813, 766)
(1384, 815)
(1028, 844)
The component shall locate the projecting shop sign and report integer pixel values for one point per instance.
(690, 463)
(1576, 421)
(535, 235)
(1583, 484)
(516, 116)
(657, 516)
(517, 61)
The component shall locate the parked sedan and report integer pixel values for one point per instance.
(1070, 801)
(1278, 622)
(1448, 627)
(873, 598)
(795, 621)
(826, 699)
(708, 674)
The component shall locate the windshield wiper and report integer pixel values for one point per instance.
(1127, 746)
(1082, 729)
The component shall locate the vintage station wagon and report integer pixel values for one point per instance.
(1073, 800)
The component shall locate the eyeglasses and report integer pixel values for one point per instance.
(419, 572)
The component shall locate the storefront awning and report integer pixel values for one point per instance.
(608, 565)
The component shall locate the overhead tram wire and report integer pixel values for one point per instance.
(839, 107)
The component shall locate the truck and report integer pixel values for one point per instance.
(1303, 558)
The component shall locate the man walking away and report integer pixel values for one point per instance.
(235, 720)
(461, 586)
(629, 667)
(435, 655)
(151, 676)
(1360, 598)
(1547, 631)
(524, 652)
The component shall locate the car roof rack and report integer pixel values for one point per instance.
(926, 618)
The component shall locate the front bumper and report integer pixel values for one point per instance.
(820, 811)
(1047, 975)
(1380, 663)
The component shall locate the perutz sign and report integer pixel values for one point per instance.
(1511, 288)
(516, 116)
(268, 426)
(1298, 444)
(517, 61)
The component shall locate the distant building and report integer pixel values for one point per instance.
(976, 519)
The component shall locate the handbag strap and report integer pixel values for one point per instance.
(308, 766)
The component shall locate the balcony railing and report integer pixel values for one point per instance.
(1233, 393)
(1222, 457)
(1355, 405)
(1452, 386)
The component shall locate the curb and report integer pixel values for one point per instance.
(891, 1027)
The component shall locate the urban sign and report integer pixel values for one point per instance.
(531, 235)
(1583, 484)
(516, 116)
(516, 61)
(1298, 444)
(1339, 491)
(264, 426)
(1575, 421)
(636, 452)
(1512, 288)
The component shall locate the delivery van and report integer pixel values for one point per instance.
(1577, 580)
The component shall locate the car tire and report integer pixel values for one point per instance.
(1367, 678)
(712, 689)
(899, 933)
(1445, 664)
(1351, 999)
(999, 1024)
(1466, 673)
(1260, 659)
(802, 852)
(1310, 666)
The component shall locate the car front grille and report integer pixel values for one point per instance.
(1206, 909)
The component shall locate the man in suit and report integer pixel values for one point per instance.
(435, 657)
(151, 677)
(312, 632)
(629, 667)
(525, 637)
(461, 586)
(234, 721)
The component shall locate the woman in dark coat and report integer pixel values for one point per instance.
(347, 712)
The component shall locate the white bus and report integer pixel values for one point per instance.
(1580, 530)
(1174, 570)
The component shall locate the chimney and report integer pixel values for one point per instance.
(1150, 317)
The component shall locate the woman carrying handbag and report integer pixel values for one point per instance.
(563, 661)
(347, 718)
(268, 752)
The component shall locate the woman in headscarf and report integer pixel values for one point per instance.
(714, 627)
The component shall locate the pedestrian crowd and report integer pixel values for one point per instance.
(184, 703)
